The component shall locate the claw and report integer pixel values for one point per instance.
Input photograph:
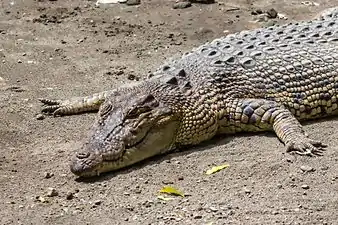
(51, 106)
(59, 112)
(49, 101)
(306, 146)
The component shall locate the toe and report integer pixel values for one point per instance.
(50, 109)
(49, 101)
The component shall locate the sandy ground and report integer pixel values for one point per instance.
(59, 49)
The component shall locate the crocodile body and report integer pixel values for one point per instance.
(258, 80)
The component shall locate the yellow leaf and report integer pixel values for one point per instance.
(216, 169)
(171, 190)
(161, 197)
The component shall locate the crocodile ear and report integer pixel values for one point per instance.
(144, 104)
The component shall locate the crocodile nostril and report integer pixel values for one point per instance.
(82, 155)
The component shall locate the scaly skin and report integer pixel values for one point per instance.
(264, 79)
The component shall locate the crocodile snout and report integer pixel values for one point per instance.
(85, 163)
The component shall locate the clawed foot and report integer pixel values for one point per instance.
(306, 146)
(71, 106)
(53, 107)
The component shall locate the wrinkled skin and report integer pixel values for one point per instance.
(129, 129)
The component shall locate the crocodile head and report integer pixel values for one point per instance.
(129, 129)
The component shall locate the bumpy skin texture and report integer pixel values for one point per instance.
(264, 79)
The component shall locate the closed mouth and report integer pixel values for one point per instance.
(93, 167)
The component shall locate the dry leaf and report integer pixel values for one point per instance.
(171, 190)
(216, 169)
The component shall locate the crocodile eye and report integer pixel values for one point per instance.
(105, 109)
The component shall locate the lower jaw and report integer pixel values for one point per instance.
(89, 174)
(104, 167)
(128, 159)
(131, 156)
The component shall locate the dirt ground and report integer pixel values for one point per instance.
(59, 49)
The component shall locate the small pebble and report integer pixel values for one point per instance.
(181, 5)
(256, 12)
(133, 2)
(48, 175)
(132, 77)
(310, 3)
(19, 61)
(305, 186)
(198, 217)
(272, 13)
(148, 203)
(69, 196)
(324, 168)
(40, 117)
(119, 72)
(170, 35)
(52, 192)
(213, 209)
(307, 168)
(130, 208)
(167, 182)
(98, 202)
(176, 162)
(41, 199)
(246, 190)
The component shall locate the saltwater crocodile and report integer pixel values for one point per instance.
(257, 80)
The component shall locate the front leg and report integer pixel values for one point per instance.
(260, 114)
(78, 105)
(74, 105)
